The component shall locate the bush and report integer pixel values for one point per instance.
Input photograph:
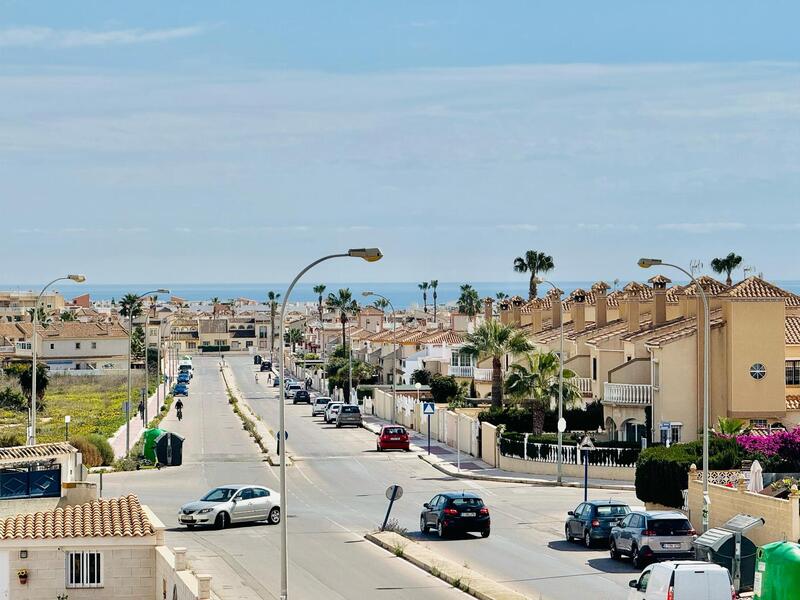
(103, 447)
(662, 473)
(444, 388)
(8, 440)
(91, 455)
(520, 418)
(11, 399)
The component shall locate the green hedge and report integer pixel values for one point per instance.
(517, 418)
(214, 348)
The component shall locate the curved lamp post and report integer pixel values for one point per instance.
(394, 343)
(370, 255)
(560, 381)
(130, 342)
(35, 320)
(646, 263)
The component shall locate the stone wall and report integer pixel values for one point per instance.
(489, 451)
(174, 580)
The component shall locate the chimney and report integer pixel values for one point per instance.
(555, 306)
(516, 310)
(505, 305)
(601, 304)
(536, 316)
(487, 309)
(632, 291)
(659, 283)
(578, 309)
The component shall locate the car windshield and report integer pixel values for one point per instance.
(464, 503)
(613, 511)
(394, 431)
(669, 526)
(219, 495)
(323, 400)
(349, 409)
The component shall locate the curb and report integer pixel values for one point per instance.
(463, 578)
(439, 466)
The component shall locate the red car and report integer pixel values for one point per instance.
(392, 437)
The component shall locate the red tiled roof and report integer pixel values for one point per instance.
(709, 284)
(689, 330)
(759, 289)
(792, 401)
(447, 336)
(792, 328)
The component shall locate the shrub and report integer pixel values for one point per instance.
(11, 439)
(662, 473)
(444, 388)
(91, 455)
(11, 399)
(520, 418)
(103, 447)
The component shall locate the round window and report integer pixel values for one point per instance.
(758, 371)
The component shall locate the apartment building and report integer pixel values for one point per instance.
(14, 305)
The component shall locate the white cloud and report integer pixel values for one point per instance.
(47, 37)
(702, 227)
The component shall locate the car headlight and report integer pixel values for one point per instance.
(203, 511)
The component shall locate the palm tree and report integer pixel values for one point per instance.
(131, 306)
(501, 295)
(319, 289)
(215, 300)
(726, 426)
(534, 263)
(535, 380)
(424, 287)
(272, 301)
(495, 340)
(381, 303)
(67, 315)
(726, 265)
(434, 284)
(42, 316)
(294, 336)
(469, 303)
(344, 304)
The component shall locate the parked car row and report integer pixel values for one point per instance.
(182, 381)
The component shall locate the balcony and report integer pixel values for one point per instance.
(628, 394)
(584, 385)
(470, 372)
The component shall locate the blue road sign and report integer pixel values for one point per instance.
(428, 408)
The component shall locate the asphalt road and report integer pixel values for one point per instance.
(338, 476)
(329, 559)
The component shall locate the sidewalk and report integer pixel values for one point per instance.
(446, 459)
(117, 440)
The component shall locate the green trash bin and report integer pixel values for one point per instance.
(150, 437)
(777, 571)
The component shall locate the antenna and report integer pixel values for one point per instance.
(749, 269)
(616, 283)
(695, 265)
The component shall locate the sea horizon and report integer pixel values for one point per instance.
(402, 294)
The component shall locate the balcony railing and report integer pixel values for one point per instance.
(483, 374)
(470, 372)
(627, 393)
(584, 384)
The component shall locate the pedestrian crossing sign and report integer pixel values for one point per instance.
(428, 408)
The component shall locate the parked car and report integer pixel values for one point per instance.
(186, 369)
(650, 536)
(318, 406)
(268, 363)
(184, 378)
(332, 410)
(301, 396)
(291, 389)
(256, 359)
(592, 521)
(349, 414)
(265, 366)
(276, 382)
(455, 512)
(180, 389)
(232, 504)
(683, 580)
(392, 437)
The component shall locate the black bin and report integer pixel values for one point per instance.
(169, 449)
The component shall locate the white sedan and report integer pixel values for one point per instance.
(232, 504)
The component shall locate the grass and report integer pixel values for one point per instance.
(247, 423)
(94, 403)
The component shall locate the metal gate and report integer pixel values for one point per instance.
(32, 481)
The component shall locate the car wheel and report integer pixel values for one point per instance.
(485, 533)
(274, 516)
(567, 533)
(189, 525)
(587, 539)
(612, 548)
(636, 558)
(221, 522)
(378, 448)
(441, 530)
(423, 526)
(338, 426)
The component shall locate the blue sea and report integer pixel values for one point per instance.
(402, 294)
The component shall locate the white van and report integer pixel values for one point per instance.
(682, 580)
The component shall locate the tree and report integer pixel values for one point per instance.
(726, 426)
(444, 388)
(68, 315)
(501, 295)
(272, 301)
(293, 336)
(424, 287)
(345, 305)
(494, 340)
(533, 262)
(421, 376)
(535, 380)
(469, 303)
(319, 290)
(23, 371)
(338, 371)
(42, 316)
(726, 265)
(381, 303)
(434, 286)
(215, 300)
(137, 342)
(130, 306)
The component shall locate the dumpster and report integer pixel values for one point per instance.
(150, 437)
(169, 449)
(777, 571)
(727, 546)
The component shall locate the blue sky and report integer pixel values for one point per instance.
(198, 141)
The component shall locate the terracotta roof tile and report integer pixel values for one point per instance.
(610, 330)
(683, 332)
(792, 401)
(600, 286)
(659, 279)
(759, 289)
(709, 284)
(36, 451)
(447, 336)
(106, 517)
(792, 328)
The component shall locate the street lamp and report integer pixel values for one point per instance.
(560, 380)
(394, 343)
(370, 255)
(67, 419)
(646, 263)
(35, 320)
(130, 343)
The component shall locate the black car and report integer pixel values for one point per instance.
(265, 366)
(257, 359)
(455, 512)
(592, 521)
(301, 396)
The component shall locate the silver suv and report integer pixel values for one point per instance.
(650, 536)
(349, 414)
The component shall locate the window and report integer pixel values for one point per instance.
(84, 570)
(77, 345)
(594, 368)
(52, 346)
(260, 493)
(643, 581)
(793, 372)
(94, 345)
(675, 433)
(758, 423)
(758, 371)
(656, 375)
(247, 494)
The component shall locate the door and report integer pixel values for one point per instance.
(261, 504)
(623, 537)
(243, 508)
(575, 527)
(640, 592)
(430, 513)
